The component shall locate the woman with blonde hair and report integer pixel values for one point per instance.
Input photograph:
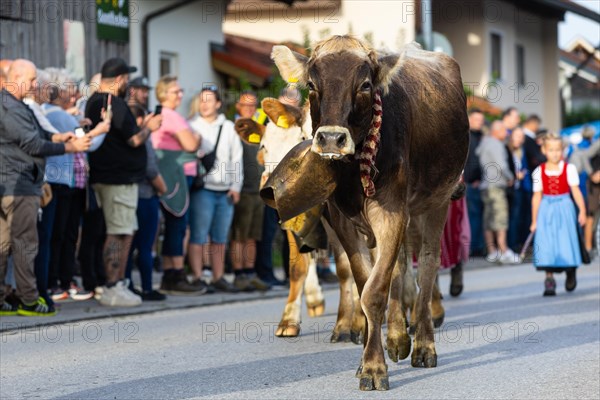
(175, 142)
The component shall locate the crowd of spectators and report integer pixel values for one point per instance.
(96, 185)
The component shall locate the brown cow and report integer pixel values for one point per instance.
(418, 154)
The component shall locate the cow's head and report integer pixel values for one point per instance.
(342, 76)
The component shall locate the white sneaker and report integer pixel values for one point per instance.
(509, 257)
(128, 292)
(493, 257)
(117, 296)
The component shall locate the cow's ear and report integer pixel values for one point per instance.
(249, 130)
(278, 114)
(292, 66)
(388, 67)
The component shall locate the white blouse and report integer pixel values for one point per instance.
(572, 176)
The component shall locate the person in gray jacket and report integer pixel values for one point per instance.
(23, 146)
(496, 177)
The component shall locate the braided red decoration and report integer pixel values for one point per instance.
(369, 149)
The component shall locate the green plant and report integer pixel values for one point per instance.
(468, 90)
(587, 113)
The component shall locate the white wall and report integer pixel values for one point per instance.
(539, 38)
(186, 31)
(463, 26)
(469, 28)
(390, 22)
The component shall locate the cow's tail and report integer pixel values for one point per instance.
(459, 191)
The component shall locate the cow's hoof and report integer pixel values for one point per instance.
(423, 357)
(374, 381)
(359, 371)
(456, 290)
(287, 329)
(356, 336)
(340, 337)
(398, 347)
(438, 320)
(316, 309)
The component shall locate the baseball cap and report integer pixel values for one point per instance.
(115, 67)
(140, 82)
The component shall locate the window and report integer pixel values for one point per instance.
(496, 64)
(168, 63)
(520, 65)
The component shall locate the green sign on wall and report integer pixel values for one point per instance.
(112, 20)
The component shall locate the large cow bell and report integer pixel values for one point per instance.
(301, 181)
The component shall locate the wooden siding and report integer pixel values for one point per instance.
(33, 29)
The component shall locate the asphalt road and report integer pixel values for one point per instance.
(501, 340)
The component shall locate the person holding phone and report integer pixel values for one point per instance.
(175, 135)
(116, 168)
(24, 144)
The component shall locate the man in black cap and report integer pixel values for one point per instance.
(138, 92)
(116, 168)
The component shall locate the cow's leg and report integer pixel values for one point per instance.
(412, 244)
(315, 301)
(398, 340)
(437, 309)
(388, 226)
(289, 326)
(360, 262)
(431, 225)
(343, 325)
(359, 321)
(409, 290)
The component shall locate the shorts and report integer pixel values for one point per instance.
(119, 205)
(495, 209)
(248, 218)
(211, 214)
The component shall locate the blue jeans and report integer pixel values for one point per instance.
(475, 211)
(42, 260)
(211, 214)
(147, 215)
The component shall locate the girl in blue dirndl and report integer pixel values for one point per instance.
(554, 219)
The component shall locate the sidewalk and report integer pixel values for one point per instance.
(74, 311)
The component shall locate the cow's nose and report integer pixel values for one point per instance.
(331, 139)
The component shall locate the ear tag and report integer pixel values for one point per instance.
(254, 138)
(282, 122)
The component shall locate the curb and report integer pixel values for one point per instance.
(74, 311)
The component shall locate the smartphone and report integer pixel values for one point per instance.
(79, 132)
(158, 109)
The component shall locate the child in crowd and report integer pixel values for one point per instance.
(554, 219)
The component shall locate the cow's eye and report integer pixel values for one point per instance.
(365, 87)
(311, 86)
